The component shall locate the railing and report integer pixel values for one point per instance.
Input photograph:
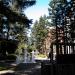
(62, 49)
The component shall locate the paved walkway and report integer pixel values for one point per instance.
(24, 69)
(6, 71)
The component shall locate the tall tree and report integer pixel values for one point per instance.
(52, 10)
(14, 14)
(39, 32)
(12, 20)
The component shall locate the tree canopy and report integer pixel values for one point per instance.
(39, 32)
(13, 22)
(52, 9)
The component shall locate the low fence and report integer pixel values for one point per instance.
(58, 69)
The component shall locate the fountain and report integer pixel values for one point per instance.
(29, 58)
(18, 60)
(33, 57)
(26, 57)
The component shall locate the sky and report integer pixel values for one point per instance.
(39, 9)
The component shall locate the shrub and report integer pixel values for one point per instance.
(11, 57)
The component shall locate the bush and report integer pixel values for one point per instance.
(2, 57)
(8, 46)
(11, 57)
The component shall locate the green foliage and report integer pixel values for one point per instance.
(39, 32)
(15, 23)
(11, 57)
(23, 41)
(8, 46)
(30, 48)
(20, 48)
(52, 9)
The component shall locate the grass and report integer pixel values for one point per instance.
(3, 68)
(41, 56)
(6, 68)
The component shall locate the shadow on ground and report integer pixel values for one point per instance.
(23, 69)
